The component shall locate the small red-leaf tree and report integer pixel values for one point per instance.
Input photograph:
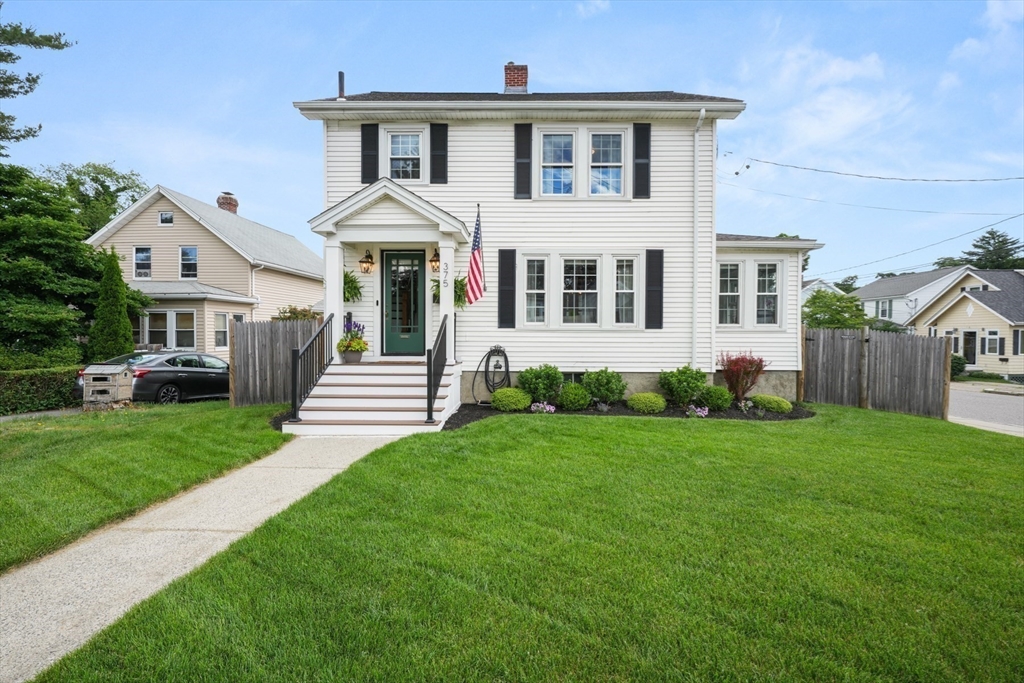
(741, 372)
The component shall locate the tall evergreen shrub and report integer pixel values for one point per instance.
(111, 333)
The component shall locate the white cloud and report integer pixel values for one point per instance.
(949, 80)
(806, 66)
(837, 115)
(1001, 44)
(589, 8)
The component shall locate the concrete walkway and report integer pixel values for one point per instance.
(54, 605)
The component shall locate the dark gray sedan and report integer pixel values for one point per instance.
(170, 377)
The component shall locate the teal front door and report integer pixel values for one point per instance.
(404, 303)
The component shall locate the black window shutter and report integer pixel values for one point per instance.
(984, 344)
(371, 162)
(523, 152)
(1017, 334)
(507, 288)
(641, 161)
(1002, 346)
(654, 299)
(956, 344)
(439, 153)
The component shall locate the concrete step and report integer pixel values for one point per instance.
(372, 401)
(396, 389)
(357, 428)
(377, 369)
(368, 415)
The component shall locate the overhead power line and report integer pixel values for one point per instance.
(864, 206)
(948, 239)
(879, 177)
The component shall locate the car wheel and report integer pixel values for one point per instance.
(168, 394)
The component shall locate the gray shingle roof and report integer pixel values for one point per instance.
(901, 285)
(185, 289)
(256, 241)
(652, 96)
(1009, 300)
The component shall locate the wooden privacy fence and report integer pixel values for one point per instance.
(891, 371)
(261, 359)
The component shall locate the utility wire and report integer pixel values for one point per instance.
(878, 177)
(863, 206)
(948, 239)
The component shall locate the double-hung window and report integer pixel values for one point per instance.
(557, 164)
(189, 263)
(956, 340)
(767, 294)
(625, 291)
(606, 163)
(157, 325)
(405, 158)
(579, 291)
(220, 330)
(991, 342)
(729, 294)
(143, 263)
(184, 330)
(535, 291)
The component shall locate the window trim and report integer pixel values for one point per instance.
(779, 275)
(545, 259)
(562, 291)
(135, 261)
(738, 294)
(171, 329)
(227, 339)
(384, 145)
(624, 136)
(989, 338)
(615, 290)
(181, 262)
(541, 134)
(160, 219)
(581, 166)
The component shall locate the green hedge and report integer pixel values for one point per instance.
(775, 404)
(24, 391)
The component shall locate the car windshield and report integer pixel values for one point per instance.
(131, 358)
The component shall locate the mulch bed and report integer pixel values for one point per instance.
(471, 412)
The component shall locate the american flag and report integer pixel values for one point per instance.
(475, 286)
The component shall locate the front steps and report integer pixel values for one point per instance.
(385, 399)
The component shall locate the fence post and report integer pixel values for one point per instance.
(947, 378)
(863, 367)
(231, 363)
(803, 361)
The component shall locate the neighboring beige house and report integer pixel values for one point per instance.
(983, 311)
(206, 265)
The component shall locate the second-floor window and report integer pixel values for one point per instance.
(189, 263)
(143, 263)
(557, 164)
(767, 294)
(606, 163)
(404, 156)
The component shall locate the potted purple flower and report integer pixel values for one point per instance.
(352, 345)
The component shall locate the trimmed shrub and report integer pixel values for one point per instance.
(510, 400)
(981, 374)
(25, 391)
(741, 372)
(541, 383)
(774, 404)
(683, 385)
(574, 397)
(647, 402)
(715, 398)
(606, 386)
(957, 365)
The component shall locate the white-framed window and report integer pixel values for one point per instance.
(579, 291)
(220, 330)
(557, 163)
(767, 294)
(405, 155)
(184, 329)
(728, 294)
(536, 290)
(238, 317)
(189, 263)
(606, 166)
(143, 263)
(991, 342)
(883, 309)
(625, 291)
(156, 332)
(956, 339)
(165, 218)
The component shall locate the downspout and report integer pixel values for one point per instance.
(696, 238)
(252, 286)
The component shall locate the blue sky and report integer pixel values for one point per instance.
(198, 96)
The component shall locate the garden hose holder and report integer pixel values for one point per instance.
(496, 376)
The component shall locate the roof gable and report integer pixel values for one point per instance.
(1005, 296)
(902, 285)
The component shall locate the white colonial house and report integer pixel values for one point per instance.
(599, 245)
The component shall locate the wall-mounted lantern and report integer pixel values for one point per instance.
(366, 263)
(435, 262)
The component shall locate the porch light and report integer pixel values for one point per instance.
(366, 263)
(435, 262)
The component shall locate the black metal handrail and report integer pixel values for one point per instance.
(309, 364)
(437, 358)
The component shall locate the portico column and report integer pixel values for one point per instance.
(447, 278)
(334, 302)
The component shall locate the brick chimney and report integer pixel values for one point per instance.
(515, 78)
(227, 201)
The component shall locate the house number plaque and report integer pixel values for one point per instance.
(444, 268)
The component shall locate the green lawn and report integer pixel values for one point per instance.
(854, 546)
(63, 477)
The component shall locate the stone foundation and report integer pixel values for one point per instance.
(777, 383)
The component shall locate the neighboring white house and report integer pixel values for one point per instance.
(812, 286)
(599, 241)
(901, 297)
(204, 266)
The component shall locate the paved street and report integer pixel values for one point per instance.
(968, 404)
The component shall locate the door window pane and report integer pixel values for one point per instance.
(579, 291)
(535, 291)
(404, 306)
(185, 330)
(767, 294)
(729, 294)
(625, 292)
(158, 328)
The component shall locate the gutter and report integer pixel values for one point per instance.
(696, 237)
(252, 285)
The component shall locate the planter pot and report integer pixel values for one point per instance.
(352, 356)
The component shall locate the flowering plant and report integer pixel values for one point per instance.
(542, 407)
(352, 338)
(695, 411)
(744, 405)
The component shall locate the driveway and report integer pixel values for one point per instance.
(972, 405)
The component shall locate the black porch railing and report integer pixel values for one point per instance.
(309, 364)
(437, 358)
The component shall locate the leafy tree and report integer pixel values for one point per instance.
(828, 309)
(99, 191)
(11, 84)
(293, 312)
(994, 250)
(847, 284)
(111, 331)
(807, 257)
(883, 276)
